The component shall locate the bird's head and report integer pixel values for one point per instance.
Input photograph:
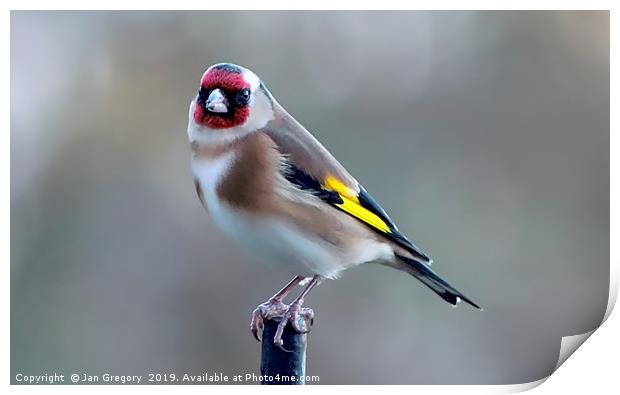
(231, 102)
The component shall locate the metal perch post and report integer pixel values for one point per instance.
(278, 366)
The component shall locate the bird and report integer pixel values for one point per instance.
(273, 188)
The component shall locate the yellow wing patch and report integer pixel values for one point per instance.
(352, 205)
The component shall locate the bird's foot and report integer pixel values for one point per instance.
(301, 320)
(272, 308)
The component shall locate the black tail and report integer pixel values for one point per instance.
(424, 273)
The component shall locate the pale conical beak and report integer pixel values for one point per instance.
(216, 102)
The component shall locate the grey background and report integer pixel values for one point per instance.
(484, 134)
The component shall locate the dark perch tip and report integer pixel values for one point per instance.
(279, 367)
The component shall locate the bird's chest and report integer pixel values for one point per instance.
(274, 240)
(209, 173)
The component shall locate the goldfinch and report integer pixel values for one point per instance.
(272, 187)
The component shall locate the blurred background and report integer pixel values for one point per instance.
(485, 134)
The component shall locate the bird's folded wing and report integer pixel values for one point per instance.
(311, 167)
(357, 204)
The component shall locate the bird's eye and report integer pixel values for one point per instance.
(243, 97)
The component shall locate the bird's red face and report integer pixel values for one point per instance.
(223, 100)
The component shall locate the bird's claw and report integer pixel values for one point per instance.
(265, 311)
(256, 325)
(301, 320)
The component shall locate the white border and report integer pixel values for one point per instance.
(311, 5)
(594, 367)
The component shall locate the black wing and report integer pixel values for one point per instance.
(362, 206)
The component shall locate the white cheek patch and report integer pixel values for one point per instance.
(251, 79)
(260, 113)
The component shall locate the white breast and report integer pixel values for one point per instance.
(210, 173)
(277, 242)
